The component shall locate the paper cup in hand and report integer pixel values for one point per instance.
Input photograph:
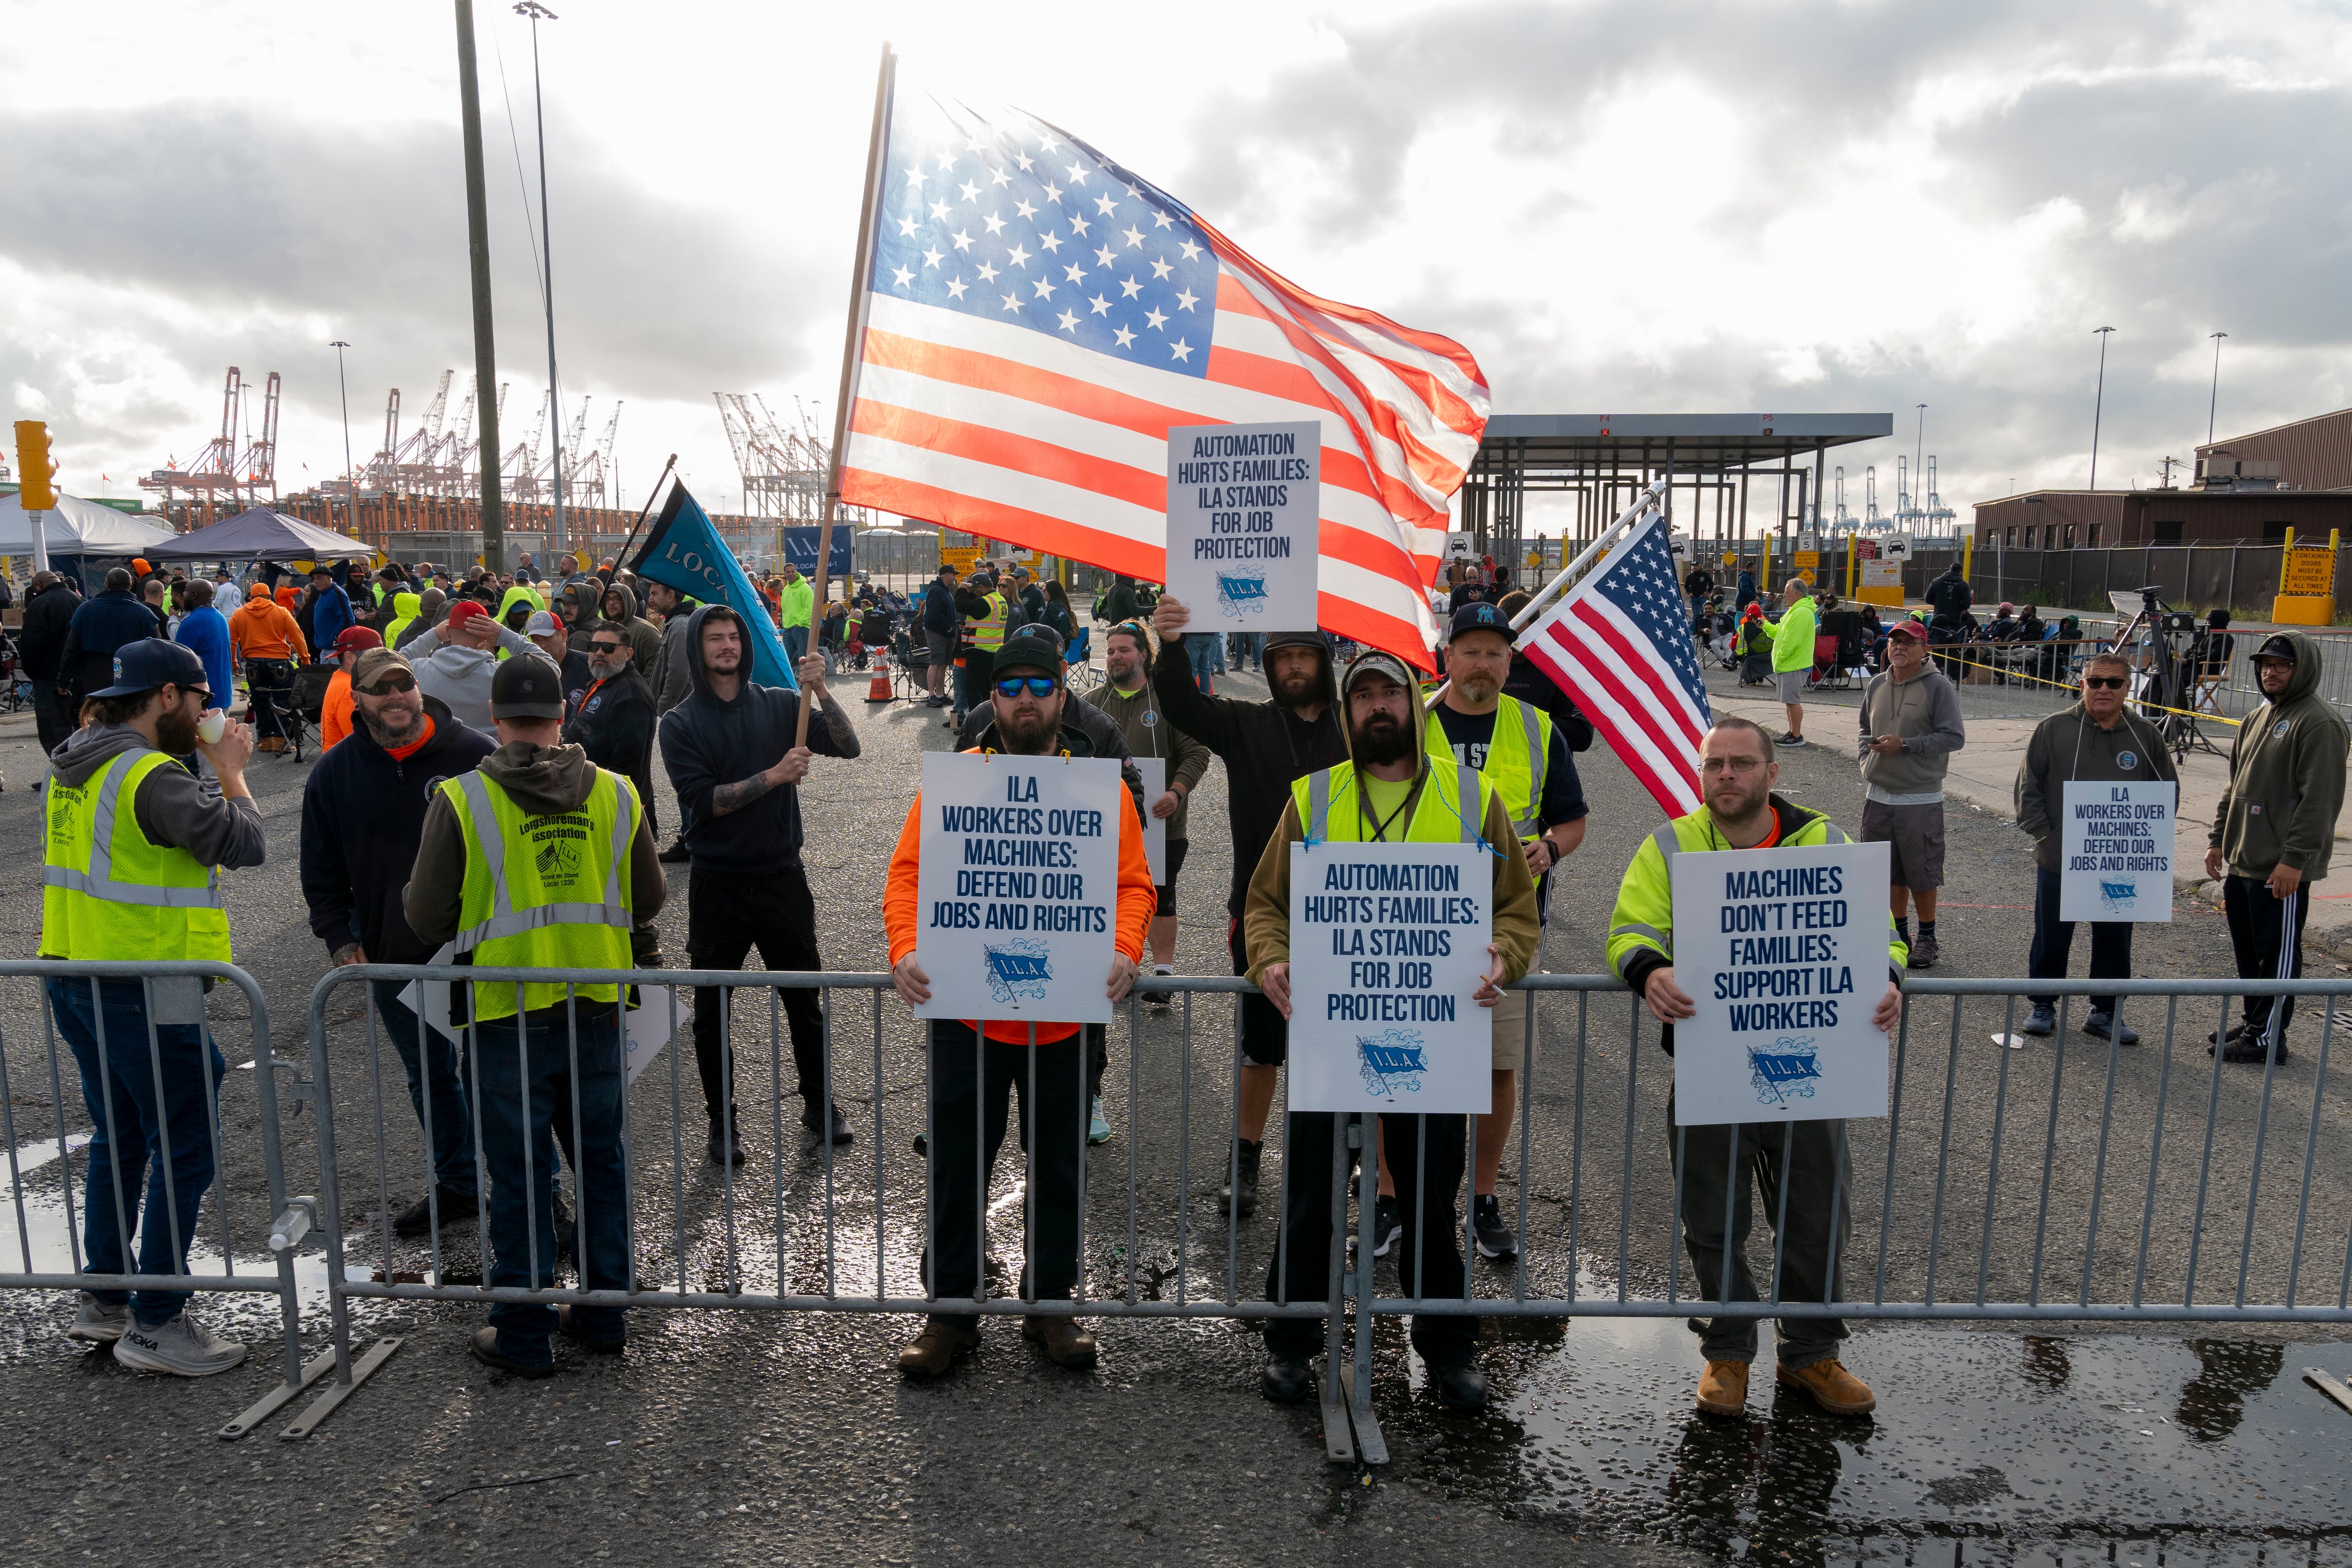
(212, 726)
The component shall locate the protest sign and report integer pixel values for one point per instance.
(1155, 829)
(1784, 951)
(647, 1030)
(1019, 889)
(1244, 528)
(2115, 850)
(1387, 944)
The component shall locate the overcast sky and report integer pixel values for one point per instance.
(1628, 205)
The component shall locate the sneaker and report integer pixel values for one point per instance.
(1388, 1223)
(936, 1348)
(98, 1323)
(1286, 1379)
(456, 1208)
(1240, 1195)
(179, 1346)
(2249, 1047)
(833, 1128)
(1495, 1240)
(2043, 1020)
(2103, 1025)
(677, 854)
(1790, 740)
(2223, 1036)
(727, 1145)
(1097, 1127)
(1924, 952)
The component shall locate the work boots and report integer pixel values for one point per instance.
(1831, 1386)
(936, 1348)
(1723, 1388)
(1064, 1343)
(1240, 1195)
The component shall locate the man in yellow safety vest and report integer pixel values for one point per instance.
(540, 859)
(1391, 790)
(985, 616)
(134, 847)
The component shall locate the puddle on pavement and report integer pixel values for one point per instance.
(1986, 1447)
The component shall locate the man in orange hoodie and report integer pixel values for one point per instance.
(1027, 696)
(263, 638)
(335, 711)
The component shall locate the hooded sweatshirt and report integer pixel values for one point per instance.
(1149, 734)
(432, 609)
(99, 628)
(460, 675)
(707, 741)
(518, 595)
(2286, 779)
(541, 780)
(1517, 930)
(1265, 745)
(1924, 712)
(584, 593)
(1792, 637)
(363, 816)
(670, 678)
(645, 640)
(173, 809)
(2070, 746)
(406, 609)
(331, 613)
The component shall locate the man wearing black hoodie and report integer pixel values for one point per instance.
(730, 753)
(1266, 747)
(362, 817)
(49, 606)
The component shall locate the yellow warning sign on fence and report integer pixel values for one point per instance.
(2310, 569)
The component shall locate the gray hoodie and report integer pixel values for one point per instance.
(2069, 746)
(460, 675)
(1924, 712)
(172, 808)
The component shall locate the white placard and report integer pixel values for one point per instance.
(2115, 849)
(1387, 944)
(1244, 524)
(1019, 890)
(646, 1032)
(1784, 951)
(1155, 829)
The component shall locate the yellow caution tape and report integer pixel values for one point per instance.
(2062, 685)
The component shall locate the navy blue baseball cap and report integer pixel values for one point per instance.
(1483, 617)
(142, 666)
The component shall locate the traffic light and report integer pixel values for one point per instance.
(37, 471)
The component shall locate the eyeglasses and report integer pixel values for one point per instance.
(386, 684)
(1037, 685)
(605, 647)
(2107, 682)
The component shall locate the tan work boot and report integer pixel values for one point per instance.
(1723, 1388)
(1832, 1387)
(1064, 1343)
(936, 1348)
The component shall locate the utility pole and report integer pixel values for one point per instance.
(535, 10)
(350, 474)
(478, 248)
(2099, 402)
(2215, 401)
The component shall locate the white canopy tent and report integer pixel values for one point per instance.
(79, 527)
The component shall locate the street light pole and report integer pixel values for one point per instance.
(1919, 471)
(2215, 402)
(2098, 401)
(351, 479)
(536, 12)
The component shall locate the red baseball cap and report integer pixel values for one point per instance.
(465, 610)
(1907, 627)
(355, 638)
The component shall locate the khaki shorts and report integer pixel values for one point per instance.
(1914, 837)
(1510, 1030)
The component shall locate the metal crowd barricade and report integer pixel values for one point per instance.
(46, 1252)
(2063, 1178)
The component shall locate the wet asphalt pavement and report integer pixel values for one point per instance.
(757, 1438)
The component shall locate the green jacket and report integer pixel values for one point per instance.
(794, 603)
(1792, 637)
(2286, 779)
(1642, 927)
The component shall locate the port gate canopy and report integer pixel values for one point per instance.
(1603, 460)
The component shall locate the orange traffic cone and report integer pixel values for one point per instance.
(879, 690)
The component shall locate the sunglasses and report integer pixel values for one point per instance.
(386, 684)
(1037, 685)
(2106, 682)
(605, 647)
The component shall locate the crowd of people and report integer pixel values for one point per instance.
(488, 795)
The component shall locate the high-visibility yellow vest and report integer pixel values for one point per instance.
(107, 894)
(546, 891)
(1515, 758)
(1329, 811)
(988, 633)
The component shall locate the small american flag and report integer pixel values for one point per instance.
(1037, 318)
(1618, 644)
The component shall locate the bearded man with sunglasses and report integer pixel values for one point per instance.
(363, 821)
(2098, 739)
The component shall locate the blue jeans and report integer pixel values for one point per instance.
(170, 1143)
(1250, 649)
(1205, 650)
(795, 645)
(429, 1056)
(526, 1080)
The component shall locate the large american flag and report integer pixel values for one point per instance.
(1618, 644)
(1037, 318)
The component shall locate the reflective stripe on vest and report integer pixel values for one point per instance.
(1523, 759)
(1465, 787)
(505, 919)
(100, 882)
(988, 633)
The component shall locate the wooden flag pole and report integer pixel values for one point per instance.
(852, 352)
